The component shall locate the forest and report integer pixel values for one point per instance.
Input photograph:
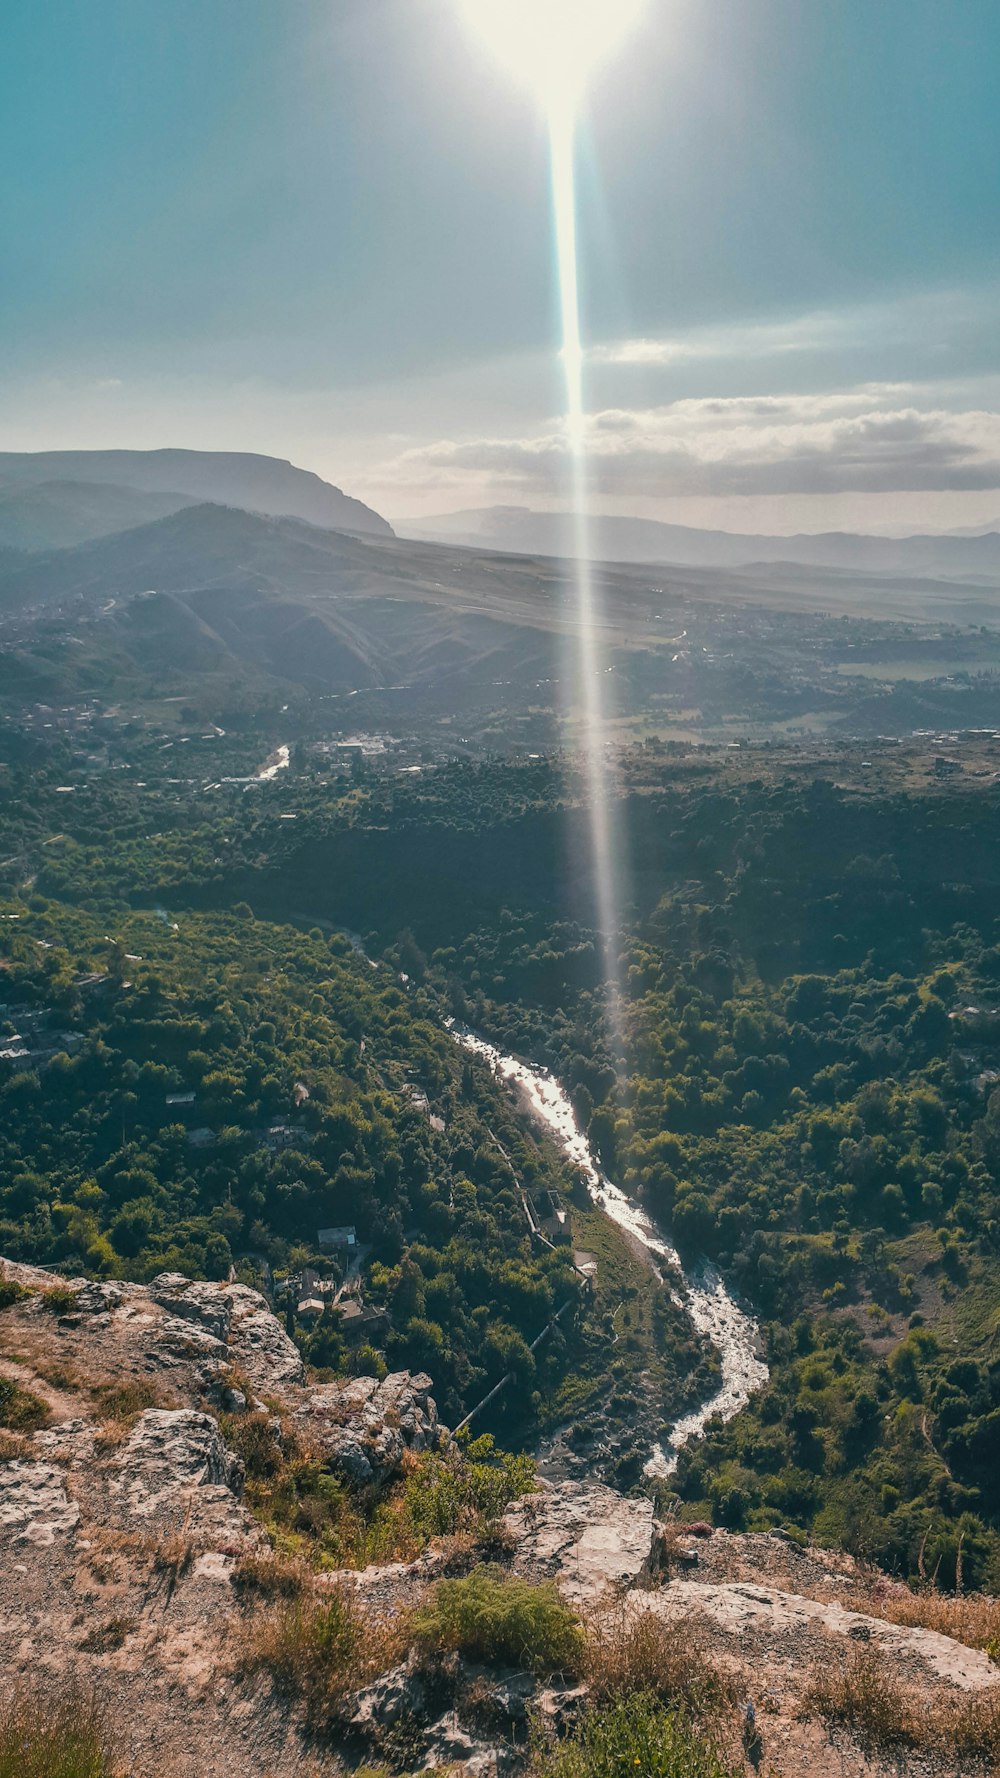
(806, 1089)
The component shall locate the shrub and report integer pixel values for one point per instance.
(20, 1411)
(59, 1300)
(492, 1617)
(634, 1650)
(633, 1736)
(54, 1736)
(447, 1495)
(319, 1647)
(11, 1293)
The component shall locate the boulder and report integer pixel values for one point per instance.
(586, 1537)
(174, 1472)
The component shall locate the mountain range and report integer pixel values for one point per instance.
(216, 593)
(614, 539)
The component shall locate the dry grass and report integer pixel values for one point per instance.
(630, 1650)
(13, 1445)
(271, 1576)
(863, 1695)
(970, 1618)
(172, 1557)
(319, 1647)
(885, 1715)
(123, 1402)
(55, 1734)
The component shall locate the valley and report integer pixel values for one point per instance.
(301, 994)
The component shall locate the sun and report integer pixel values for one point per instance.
(552, 45)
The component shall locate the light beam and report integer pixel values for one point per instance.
(554, 45)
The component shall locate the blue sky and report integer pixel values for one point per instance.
(322, 230)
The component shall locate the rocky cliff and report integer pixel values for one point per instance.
(131, 1561)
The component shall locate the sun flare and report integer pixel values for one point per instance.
(553, 45)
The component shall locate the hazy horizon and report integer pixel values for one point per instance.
(323, 234)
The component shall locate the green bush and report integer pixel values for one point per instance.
(20, 1411)
(444, 1496)
(60, 1300)
(638, 1737)
(490, 1616)
(11, 1293)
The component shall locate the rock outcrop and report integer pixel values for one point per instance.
(127, 1547)
(364, 1426)
(590, 1539)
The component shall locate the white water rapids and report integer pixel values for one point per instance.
(712, 1310)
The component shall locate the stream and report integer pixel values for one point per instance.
(714, 1313)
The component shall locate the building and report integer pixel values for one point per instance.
(309, 1310)
(338, 1239)
(359, 1322)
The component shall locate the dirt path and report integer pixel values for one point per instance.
(63, 1404)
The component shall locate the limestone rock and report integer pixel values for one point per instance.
(363, 1426)
(175, 1469)
(586, 1537)
(771, 1618)
(35, 1507)
(393, 1697)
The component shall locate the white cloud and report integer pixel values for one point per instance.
(869, 439)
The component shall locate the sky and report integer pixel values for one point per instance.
(321, 229)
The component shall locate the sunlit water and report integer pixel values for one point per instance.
(278, 762)
(713, 1311)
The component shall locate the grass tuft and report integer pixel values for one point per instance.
(20, 1411)
(493, 1617)
(629, 1650)
(124, 1402)
(59, 1300)
(61, 1735)
(635, 1737)
(317, 1648)
(864, 1696)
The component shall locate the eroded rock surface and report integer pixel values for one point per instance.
(363, 1426)
(586, 1537)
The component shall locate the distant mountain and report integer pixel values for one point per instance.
(190, 550)
(216, 590)
(520, 529)
(59, 515)
(230, 478)
(215, 597)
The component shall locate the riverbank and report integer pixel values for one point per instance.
(700, 1291)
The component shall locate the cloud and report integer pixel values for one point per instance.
(868, 439)
(906, 321)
